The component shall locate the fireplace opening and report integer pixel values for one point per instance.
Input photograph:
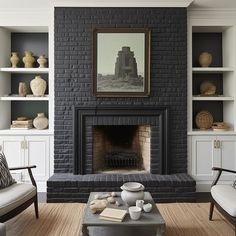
(121, 148)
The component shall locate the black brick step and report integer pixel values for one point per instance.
(164, 188)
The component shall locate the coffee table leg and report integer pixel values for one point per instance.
(85, 231)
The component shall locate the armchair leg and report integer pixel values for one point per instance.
(36, 208)
(211, 210)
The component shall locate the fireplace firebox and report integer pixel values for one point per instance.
(121, 139)
(121, 148)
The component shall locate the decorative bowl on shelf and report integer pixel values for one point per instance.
(204, 120)
(207, 88)
(220, 126)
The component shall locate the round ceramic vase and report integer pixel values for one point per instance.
(205, 59)
(41, 121)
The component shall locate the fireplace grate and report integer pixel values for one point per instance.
(121, 159)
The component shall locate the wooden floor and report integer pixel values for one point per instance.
(182, 219)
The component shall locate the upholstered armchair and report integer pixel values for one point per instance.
(224, 198)
(15, 197)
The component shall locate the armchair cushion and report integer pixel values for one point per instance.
(15, 195)
(5, 175)
(225, 196)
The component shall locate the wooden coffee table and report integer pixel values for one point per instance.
(150, 224)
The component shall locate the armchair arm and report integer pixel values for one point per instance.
(219, 174)
(22, 167)
(29, 171)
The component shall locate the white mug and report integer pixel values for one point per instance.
(139, 203)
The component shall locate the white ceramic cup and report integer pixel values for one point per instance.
(147, 207)
(135, 212)
(139, 203)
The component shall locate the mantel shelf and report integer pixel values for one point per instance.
(212, 98)
(212, 69)
(25, 70)
(12, 98)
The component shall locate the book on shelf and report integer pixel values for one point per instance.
(22, 122)
(112, 214)
(17, 126)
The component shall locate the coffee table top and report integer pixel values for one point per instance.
(152, 218)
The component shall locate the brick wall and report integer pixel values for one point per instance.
(73, 71)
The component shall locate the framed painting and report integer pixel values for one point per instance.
(121, 62)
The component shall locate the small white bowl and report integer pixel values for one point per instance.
(147, 207)
(135, 212)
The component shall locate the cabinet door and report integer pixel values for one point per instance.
(37, 153)
(227, 155)
(13, 148)
(203, 157)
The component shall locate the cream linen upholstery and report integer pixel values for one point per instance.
(15, 195)
(225, 196)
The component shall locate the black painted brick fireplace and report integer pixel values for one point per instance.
(73, 88)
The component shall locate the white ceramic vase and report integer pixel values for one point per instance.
(14, 59)
(38, 86)
(132, 191)
(41, 121)
(42, 61)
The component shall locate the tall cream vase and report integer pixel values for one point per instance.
(38, 86)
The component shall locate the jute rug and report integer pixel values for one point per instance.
(182, 219)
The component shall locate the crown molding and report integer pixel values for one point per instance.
(212, 13)
(25, 16)
(122, 3)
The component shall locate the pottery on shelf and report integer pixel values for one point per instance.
(38, 86)
(41, 121)
(22, 89)
(42, 61)
(132, 191)
(14, 59)
(28, 59)
(205, 59)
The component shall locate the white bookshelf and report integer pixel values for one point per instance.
(25, 70)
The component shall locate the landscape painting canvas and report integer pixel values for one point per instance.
(121, 62)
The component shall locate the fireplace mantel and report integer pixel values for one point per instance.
(84, 117)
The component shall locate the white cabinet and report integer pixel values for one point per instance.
(209, 151)
(28, 150)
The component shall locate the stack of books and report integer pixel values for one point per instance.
(22, 124)
(113, 214)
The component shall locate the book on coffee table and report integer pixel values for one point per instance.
(113, 214)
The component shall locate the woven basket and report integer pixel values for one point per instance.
(204, 120)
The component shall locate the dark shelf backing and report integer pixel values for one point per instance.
(214, 107)
(207, 42)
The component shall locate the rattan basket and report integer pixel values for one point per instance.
(204, 120)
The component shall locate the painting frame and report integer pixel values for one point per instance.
(142, 82)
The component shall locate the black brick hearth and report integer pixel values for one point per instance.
(73, 88)
(76, 188)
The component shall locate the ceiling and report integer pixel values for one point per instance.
(214, 4)
(46, 3)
